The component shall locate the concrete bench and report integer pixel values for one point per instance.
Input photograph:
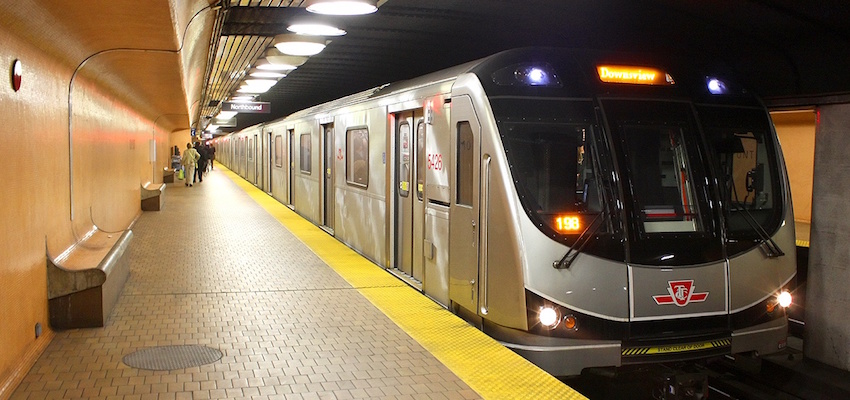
(168, 175)
(152, 196)
(85, 281)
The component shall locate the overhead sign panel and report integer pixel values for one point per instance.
(225, 123)
(253, 107)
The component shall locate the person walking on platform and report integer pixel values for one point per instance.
(202, 163)
(211, 155)
(189, 162)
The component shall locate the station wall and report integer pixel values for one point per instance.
(107, 146)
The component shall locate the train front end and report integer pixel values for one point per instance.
(651, 206)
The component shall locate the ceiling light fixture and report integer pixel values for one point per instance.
(265, 65)
(261, 82)
(274, 56)
(342, 7)
(253, 89)
(315, 30)
(299, 45)
(225, 115)
(258, 73)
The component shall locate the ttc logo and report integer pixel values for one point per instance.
(681, 294)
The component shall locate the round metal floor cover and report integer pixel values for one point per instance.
(166, 358)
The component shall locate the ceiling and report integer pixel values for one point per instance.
(792, 53)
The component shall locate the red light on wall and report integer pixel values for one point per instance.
(17, 74)
(567, 223)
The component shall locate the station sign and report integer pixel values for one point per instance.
(225, 123)
(251, 107)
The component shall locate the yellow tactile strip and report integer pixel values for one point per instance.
(482, 363)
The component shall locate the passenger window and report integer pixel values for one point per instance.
(278, 151)
(404, 160)
(357, 154)
(250, 149)
(306, 147)
(465, 163)
(420, 160)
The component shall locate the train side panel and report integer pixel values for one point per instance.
(360, 212)
(306, 174)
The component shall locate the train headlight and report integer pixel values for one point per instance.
(548, 317)
(784, 299)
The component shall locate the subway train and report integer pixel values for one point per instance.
(586, 209)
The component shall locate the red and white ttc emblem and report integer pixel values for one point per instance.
(681, 294)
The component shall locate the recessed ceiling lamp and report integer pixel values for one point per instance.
(315, 30)
(299, 45)
(342, 7)
(265, 65)
(242, 98)
(258, 73)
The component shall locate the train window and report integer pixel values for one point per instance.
(661, 178)
(553, 167)
(747, 161)
(357, 156)
(306, 148)
(278, 151)
(250, 149)
(465, 163)
(420, 160)
(404, 159)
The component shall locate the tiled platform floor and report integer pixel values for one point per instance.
(213, 268)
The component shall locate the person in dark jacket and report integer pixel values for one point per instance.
(202, 163)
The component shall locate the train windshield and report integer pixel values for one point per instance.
(661, 160)
(746, 160)
(553, 164)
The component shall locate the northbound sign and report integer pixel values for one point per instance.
(255, 107)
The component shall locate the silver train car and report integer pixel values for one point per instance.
(585, 209)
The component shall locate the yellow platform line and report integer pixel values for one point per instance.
(489, 368)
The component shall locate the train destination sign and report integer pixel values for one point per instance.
(252, 107)
(634, 75)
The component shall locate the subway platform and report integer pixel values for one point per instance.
(277, 309)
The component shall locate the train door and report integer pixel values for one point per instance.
(328, 198)
(290, 181)
(269, 164)
(409, 195)
(257, 161)
(464, 209)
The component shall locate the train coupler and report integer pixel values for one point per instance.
(684, 386)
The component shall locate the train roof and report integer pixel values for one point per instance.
(576, 69)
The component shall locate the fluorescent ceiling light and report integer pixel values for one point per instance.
(315, 30)
(299, 45)
(342, 7)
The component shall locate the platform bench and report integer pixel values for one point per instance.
(168, 176)
(85, 281)
(152, 196)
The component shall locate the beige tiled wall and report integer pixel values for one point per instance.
(111, 158)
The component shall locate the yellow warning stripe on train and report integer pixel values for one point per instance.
(676, 348)
(490, 369)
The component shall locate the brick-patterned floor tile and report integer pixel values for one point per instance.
(213, 268)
